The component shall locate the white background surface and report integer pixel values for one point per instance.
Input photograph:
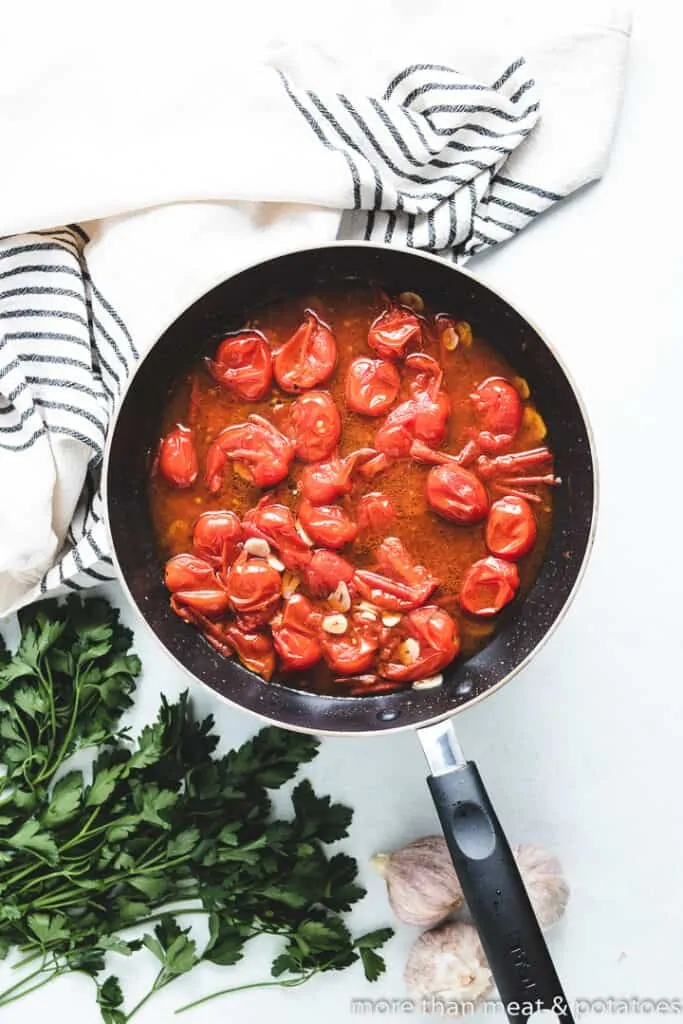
(582, 751)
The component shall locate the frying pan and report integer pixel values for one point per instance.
(511, 937)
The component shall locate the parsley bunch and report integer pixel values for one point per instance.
(155, 829)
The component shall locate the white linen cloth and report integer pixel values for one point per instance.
(181, 144)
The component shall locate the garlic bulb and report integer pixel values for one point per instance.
(447, 965)
(422, 886)
(545, 884)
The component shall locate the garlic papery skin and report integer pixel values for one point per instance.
(422, 885)
(542, 874)
(447, 966)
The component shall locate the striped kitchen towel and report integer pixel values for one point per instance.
(436, 159)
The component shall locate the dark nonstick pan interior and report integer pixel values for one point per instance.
(225, 308)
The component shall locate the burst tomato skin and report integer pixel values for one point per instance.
(243, 365)
(372, 386)
(327, 525)
(510, 528)
(488, 586)
(308, 358)
(177, 458)
(216, 536)
(393, 331)
(375, 512)
(315, 423)
(457, 494)
(297, 637)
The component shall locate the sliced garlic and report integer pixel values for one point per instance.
(290, 584)
(302, 533)
(534, 425)
(412, 300)
(340, 599)
(367, 616)
(428, 683)
(522, 386)
(257, 546)
(464, 330)
(371, 609)
(450, 339)
(409, 651)
(391, 618)
(276, 564)
(336, 624)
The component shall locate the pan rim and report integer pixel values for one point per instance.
(386, 727)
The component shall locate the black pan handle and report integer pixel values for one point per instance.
(493, 887)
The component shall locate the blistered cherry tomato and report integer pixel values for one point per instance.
(252, 585)
(327, 525)
(243, 364)
(254, 648)
(510, 528)
(258, 446)
(216, 536)
(372, 386)
(308, 358)
(315, 424)
(436, 635)
(325, 571)
(499, 411)
(188, 572)
(375, 512)
(457, 494)
(393, 330)
(323, 482)
(296, 637)
(177, 457)
(211, 603)
(488, 586)
(275, 523)
(351, 653)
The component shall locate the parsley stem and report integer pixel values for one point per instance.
(24, 981)
(155, 988)
(6, 997)
(291, 983)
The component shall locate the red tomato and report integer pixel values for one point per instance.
(323, 482)
(253, 585)
(296, 637)
(308, 358)
(328, 525)
(275, 523)
(254, 649)
(423, 417)
(177, 459)
(316, 425)
(351, 653)
(457, 494)
(243, 364)
(212, 603)
(264, 452)
(406, 585)
(325, 570)
(435, 633)
(488, 586)
(499, 409)
(375, 512)
(188, 572)
(216, 536)
(510, 528)
(393, 330)
(372, 386)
